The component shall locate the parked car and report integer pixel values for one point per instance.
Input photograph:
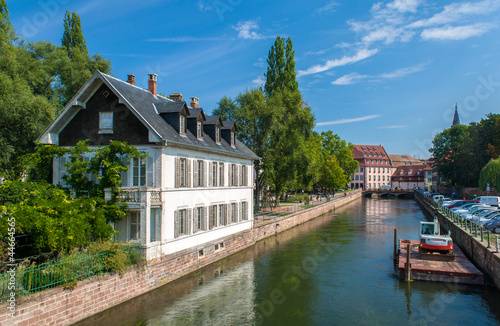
(493, 225)
(449, 203)
(478, 212)
(459, 203)
(469, 208)
(489, 200)
(486, 217)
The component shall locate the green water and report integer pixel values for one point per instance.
(334, 270)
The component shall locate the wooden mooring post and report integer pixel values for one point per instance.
(395, 254)
(408, 264)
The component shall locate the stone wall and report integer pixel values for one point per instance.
(63, 307)
(486, 259)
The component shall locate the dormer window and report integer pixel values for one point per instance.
(217, 135)
(182, 124)
(105, 122)
(233, 143)
(199, 129)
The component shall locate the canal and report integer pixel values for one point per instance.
(334, 270)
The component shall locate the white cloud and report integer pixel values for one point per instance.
(329, 7)
(354, 77)
(456, 33)
(457, 11)
(403, 71)
(246, 30)
(261, 62)
(343, 121)
(394, 127)
(359, 56)
(349, 79)
(405, 5)
(259, 81)
(316, 52)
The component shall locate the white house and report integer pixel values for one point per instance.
(195, 186)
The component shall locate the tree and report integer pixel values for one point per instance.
(462, 151)
(490, 175)
(332, 144)
(281, 67)
(447, 151)
(73, 35)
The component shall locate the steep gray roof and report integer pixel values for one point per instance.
(149, 107)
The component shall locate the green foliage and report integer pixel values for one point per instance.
(55, 222)
(490, 175)
(462, 151)
(281, 67)
(36, 80)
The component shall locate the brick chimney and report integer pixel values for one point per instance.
(152, 83)
(176, 97)
(131, 79)
(195, 102)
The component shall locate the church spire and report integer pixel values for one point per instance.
(456, 119)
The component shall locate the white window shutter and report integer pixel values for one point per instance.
(210, 174)
(177, 171)
(205, 168)
(188, 221)
(176, 224)
(188, 176)
(205, 218)
(195, 174)
(225, 215)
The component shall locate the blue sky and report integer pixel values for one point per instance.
(386, 72)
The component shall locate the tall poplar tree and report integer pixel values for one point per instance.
(281, 67)
(73, 35)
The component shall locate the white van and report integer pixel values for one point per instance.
(489, 200)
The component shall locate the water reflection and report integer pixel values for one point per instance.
(334, 270)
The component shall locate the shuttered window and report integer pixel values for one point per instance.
(244, 176)
(182, 173)
(221, 174)
(234, 213)
(244, 211)
(182, 225)
(221, 215)
(213, 174)
(212, 217)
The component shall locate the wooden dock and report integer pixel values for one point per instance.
(460, 270)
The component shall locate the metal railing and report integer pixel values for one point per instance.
(27, 279)
(270, 214)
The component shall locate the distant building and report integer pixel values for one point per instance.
(456, 119)
(375, 168)
(399, 160)
(410, 176)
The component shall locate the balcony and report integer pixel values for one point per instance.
(138, 195)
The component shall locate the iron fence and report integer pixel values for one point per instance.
(27, 278)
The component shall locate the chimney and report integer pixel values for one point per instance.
(176, 97)
(152, 83)
(131, 79)
(195, 102)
